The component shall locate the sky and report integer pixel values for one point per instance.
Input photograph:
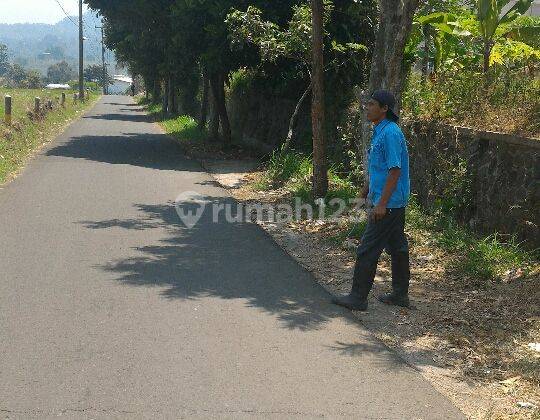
(36, 11)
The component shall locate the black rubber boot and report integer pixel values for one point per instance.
(394, 299)
(351, 302)
(401, 273)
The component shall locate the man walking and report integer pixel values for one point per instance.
(388, 192)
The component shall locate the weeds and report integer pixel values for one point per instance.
(483, 258)
(508, 103)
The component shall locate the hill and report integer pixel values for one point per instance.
(37, 45)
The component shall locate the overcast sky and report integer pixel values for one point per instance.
(36, 11)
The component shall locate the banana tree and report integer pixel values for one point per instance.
(446, 30)
(490, 17)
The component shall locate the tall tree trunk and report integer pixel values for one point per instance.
(156, 91)
(204, 102)
(172, 102)
(320, 167)
(387, 70)
(218, 91)
(146, 84)
(214, 114)
(165, 98)
(294, 119)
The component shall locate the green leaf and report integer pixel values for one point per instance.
(357, 47)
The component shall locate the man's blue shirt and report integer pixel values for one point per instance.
(388, 150)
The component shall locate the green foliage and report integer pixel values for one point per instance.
(510, 53)
(293, 171)
(525, 29)
(240, 81)
(94, 73)
(283, 167)
(4, 60)
(464, 98)
(17, 74)
(59, 73)
(19, 141)
(484, 258)
(184, 128)
(461, 39)
(33, 80)
(292, 42)
(447, 31)
(353, 230)
(490, 16)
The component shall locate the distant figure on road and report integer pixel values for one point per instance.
(132, 89)
(388, 195)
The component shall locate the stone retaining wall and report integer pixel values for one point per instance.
(493, 178)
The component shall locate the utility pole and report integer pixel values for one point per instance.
(105, 79)
(81, 52)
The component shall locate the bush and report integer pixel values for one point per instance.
(502, 100)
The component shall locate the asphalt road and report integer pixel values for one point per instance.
(111, 308)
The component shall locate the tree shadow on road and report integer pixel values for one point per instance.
(233, 261)
(131, 117)
(229, 260)
(156, 151)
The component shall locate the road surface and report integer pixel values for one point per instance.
(112, 308)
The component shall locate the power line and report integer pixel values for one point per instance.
(66, 13)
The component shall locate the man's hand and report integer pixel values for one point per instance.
(378, 212)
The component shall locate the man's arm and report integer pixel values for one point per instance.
(391, 182)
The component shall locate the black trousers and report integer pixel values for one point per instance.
(387, 233)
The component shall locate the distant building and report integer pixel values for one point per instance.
(121, 84)
(56, 86)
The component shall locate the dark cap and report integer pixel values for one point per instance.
(385, 97)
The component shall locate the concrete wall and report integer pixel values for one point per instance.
(497, 176)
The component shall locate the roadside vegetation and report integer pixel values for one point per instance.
(484, 258)
(29, 131)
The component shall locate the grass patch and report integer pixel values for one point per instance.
(482, 258)
(184, 128)
(293, 171)
(26, 135)
(195, 142)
